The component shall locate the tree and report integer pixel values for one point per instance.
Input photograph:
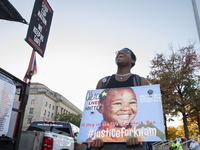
(195, 109)
(70, 117)
(177, 76)
(180, 131)
(193, 129)
(171, 131)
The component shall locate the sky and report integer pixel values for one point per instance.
(85, 35)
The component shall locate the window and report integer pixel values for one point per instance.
(52, 107)
(48, 114)
(49, 105)
(46, 103)
(58, 128)
(31, 110)
(32, 101)
(45, 112)
(29, 120)
(51, 115)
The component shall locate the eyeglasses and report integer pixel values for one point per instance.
(123, 51)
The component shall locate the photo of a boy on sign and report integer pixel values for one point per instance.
(118, 107)
(110, 114)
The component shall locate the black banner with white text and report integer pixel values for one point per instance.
(39, 26)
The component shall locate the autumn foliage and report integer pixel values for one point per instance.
(178, 77)
(70, 117)
(173, 132)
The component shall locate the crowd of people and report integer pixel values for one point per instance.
(194, 145)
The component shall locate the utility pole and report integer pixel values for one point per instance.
(196, 15)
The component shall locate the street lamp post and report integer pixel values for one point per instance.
(196, 15)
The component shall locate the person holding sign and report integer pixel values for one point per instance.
(125, 60)
(118, 107)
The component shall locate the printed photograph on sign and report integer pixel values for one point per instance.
(117, 114)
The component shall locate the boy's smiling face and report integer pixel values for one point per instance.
(119, 106)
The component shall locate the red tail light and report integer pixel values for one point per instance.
(50, 121)
(47, 144)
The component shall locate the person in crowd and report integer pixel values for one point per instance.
(194, 145)
(125, 59)
(175, 146)
(178, 138)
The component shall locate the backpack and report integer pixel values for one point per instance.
(137, 78)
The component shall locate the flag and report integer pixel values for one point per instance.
(32, 68)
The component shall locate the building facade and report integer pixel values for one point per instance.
(44, 104)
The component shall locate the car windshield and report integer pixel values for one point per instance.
(53, 127)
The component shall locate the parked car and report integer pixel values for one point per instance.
(51, 135)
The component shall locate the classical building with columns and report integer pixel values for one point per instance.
(45, 104)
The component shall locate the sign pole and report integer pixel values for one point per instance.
(196, 15)
(29, 72)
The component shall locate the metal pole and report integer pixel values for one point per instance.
(196, 15)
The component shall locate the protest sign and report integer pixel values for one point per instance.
(115, 115)
(39, 26)
(7, 94)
